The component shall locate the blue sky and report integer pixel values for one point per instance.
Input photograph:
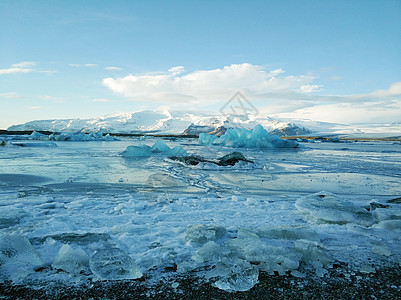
(328, 60)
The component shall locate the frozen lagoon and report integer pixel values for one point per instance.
(224, 223)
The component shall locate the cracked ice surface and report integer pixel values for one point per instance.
(82, 210)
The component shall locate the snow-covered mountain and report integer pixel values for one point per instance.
(162, 122)
(196, 122)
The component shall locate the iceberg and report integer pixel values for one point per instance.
(159, 147)
(258, 137)
(136, 151)
(38, 136)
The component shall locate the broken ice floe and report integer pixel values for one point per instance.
(329, 208)
(11, 215)
(233, 262)
(18, 258)
(159, 146)
(114, 263)
(258, 137)
(71, 260)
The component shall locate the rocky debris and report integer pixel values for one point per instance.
(227, 160)
(218, 131)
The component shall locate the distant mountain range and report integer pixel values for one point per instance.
(163, 122)
(195, 122)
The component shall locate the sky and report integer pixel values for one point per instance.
(335, 61)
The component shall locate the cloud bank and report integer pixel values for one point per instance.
(207, 85)
(272, 91)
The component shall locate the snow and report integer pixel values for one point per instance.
(86, 211)
(258, 137)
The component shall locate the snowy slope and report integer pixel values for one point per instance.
(176, 122)
(164, 122)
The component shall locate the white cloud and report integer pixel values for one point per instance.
(15, 71)
(52, 98)
(112, 68)
(207, 86)
(83, 65)
(24, 64)
(271, 91)
(366, 112)
(23, 67)
(176, 70)
(35, 107)
(11, 95)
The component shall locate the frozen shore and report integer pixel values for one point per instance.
(384, 284)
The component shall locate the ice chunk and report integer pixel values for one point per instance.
(389, 225)
(136, 151)
(38, 136)
(18, 258)
(328, 208)
(312, 252)
(113, 263)
(10, 215)
(201, 234)
(177, 151)
(242, 277)
(288, 232)
(209, 252)
(239, 137)
(70, 260)
(206, 139)
(159, 146)
(390, 213)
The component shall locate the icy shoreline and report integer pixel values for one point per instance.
(341, 284)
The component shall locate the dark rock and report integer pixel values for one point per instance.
(395, 200)
(189, 160)
(374, 205)
(232, 158)
(218, 131)
(227, 160)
